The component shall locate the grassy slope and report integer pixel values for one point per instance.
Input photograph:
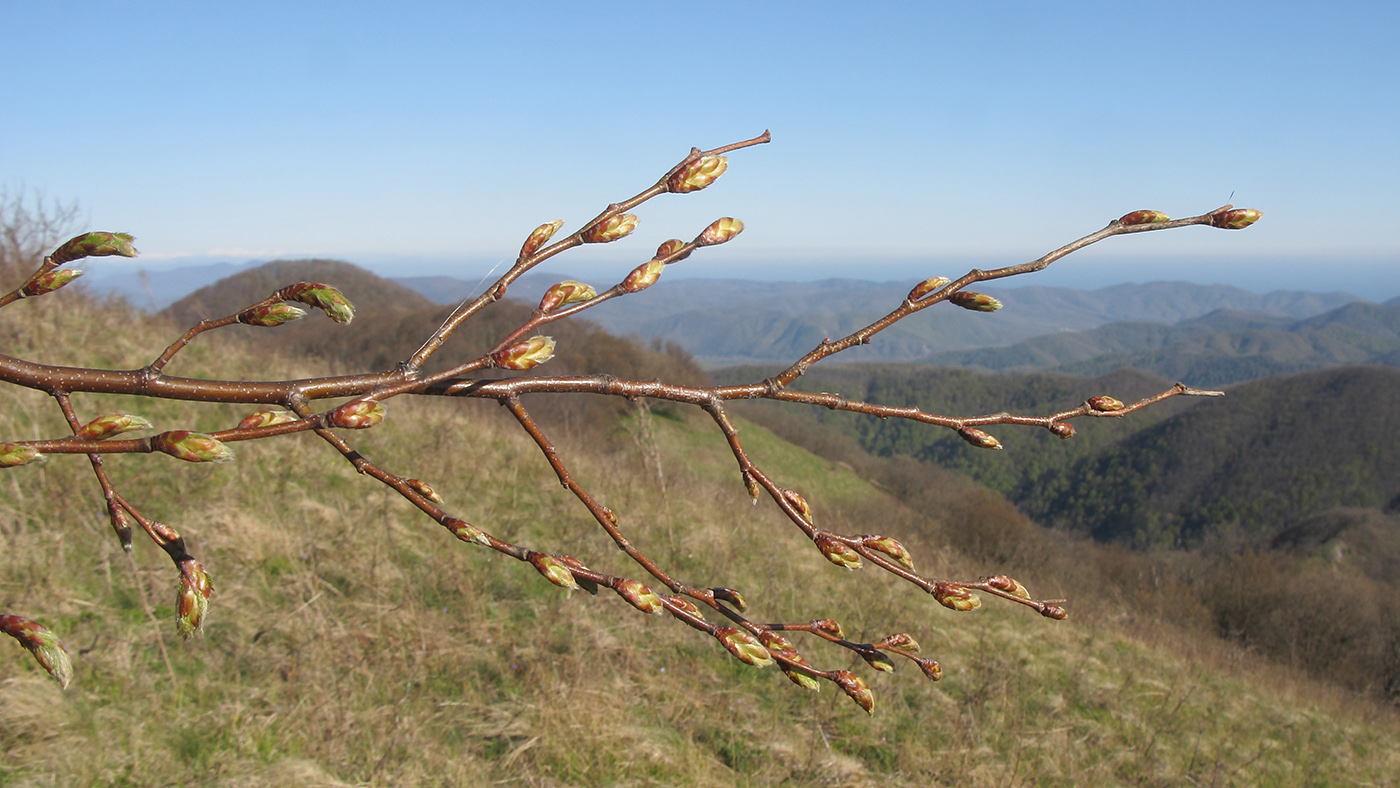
(353, 642)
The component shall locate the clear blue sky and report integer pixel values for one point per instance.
(909, 140)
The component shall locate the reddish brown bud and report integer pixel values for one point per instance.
(583, 582)
(1063, 429)
(668, 248)
(1143, 217)
(777, 644)
(49, 281)
(755, 489)
(977, 302)
(877, 661)
(323, 297)
(1004, 583)
(466, 531)
(94, 245)
(1237, 219)
(828, 626)
(979, 438)
(955, 597)
(732, 597)
(270, 315)
(744, 647)
(121, 524)
(931, 668)
(192, 599)
(891, 548)
(927, 286)
(359, 414)
(837, 551)
(855, 688)
(553, 570)
(1105, 404)
(13, 455)
(109, 425)
(424, 489)
(799, 503)
(565, 293)
(799, 678)
(538, 237)
(42, 643)
(643, 276)
(902, 641)
(685, 605)
(191, 446)
(640, 597)
(265, 418)
(610, 229)
(526, 355)
(1054, 611)
(697, 174)
(720, 231)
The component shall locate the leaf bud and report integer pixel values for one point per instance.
(902, 641)
(668, 248)
(643, 276)
(720, 231)
(877, 661)
(192, 446)
(265, 418)
(1237, 219)
(1105, 404)
(731, 596)
(977, 302)
(525, 355)
(121, 524)
(357, 414)
(13, 455)
(109, 425)
(799, 503)
(538, 237)
(466, 531)
(837, 551)
(565, 293)
(94, 245)
(610, 229)
(192, 599)
(955, 597)
(855, 688)
(583, 582)
(553, 570)
(1063, 429)
(685, 605)
(696, 175)
(801, 679)
(777, 644)
(744, 647)
(978, 438)
(270, 315)
(827, 626)
(1010, 586)
(1143, 217)
(931, 668)
(754, 488)
(323, 297)
(927, 286)
(1054, 611)
(640, 597)
(424, 489)
(42, 643)
(891, 548)
(49, 281)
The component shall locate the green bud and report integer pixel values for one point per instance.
(192, 599)
(192, 446)
(323, 297)
(1143, 217)
(49, 281)
(697, 174)
(977, 302)
(109, 425)
(744, 647)
(538, 237)
(640, 597)
(610, 229)
(837, 551)
(927, 286)
(553, 570)
(357, 414)
(526, 355)
(270, 315)
(42, 643)
(94, 245)
(855, 688)
(13, 454)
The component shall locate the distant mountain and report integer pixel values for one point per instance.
(724, 322)
(156, 289)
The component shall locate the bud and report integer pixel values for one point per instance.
(565, 293)
(1054, 611)
(192, 599)
(121, 524)
(640, 597)
(553, 570)
(902, 641)
(323, 297)
(358, 414)
(424, 489)
(855, 688)
(877, 661)
(609, 516)
(49, 281)
(610, 229)
(777, 644)
(685, 605)
(1063, 429)
(1237, 219)
(927, 286)
(697, 174)
(744, 647)
(978, 438)
(799, 503)
(191, 446)
(668, 248)
(265, 418)
(466, 531)
(1004, 583)
(583, 582)
(837, 551)
(732, 597)
(828, 626)
(801, 679)
(643, 276)
(1104, 404)
(538, 237)
(270, 315)
(42, 643)
(720, 230)
(955, 597)
(94, 245)
(891, 548)
(977, 302)
(109, 425)
(13, 454)
(755, 489)
(1143, 217)
(931, 668)
(525, 355)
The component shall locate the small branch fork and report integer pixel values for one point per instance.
(758, 644)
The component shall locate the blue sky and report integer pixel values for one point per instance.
(910, 139)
